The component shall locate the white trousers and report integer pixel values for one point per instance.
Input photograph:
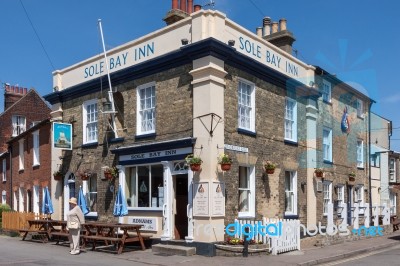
(74, 235)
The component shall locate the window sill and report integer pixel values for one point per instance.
(145, 209)
(246, 132)
(360, 167)
(246, 215)
(327, 102)
(92, 215)
(328, 162)
(88, 145)
(145, 136)
(291, 216)
(35, 165)
(116, 140)
(360, 117)
(291, 142)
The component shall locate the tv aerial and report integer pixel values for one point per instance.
(211, 4)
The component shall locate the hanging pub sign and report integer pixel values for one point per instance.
(62, 136)
(345, 124)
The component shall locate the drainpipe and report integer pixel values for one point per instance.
(369, 160)
(11, 190)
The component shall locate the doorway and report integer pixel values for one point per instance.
(181, 202)
(349, 205)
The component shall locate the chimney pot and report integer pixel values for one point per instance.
(197, 8)
(25, 90)
(174, 4)
(267, 26)
(282, 24)
(183, 5)
(259, 31)
(190, 6)
(274, 27)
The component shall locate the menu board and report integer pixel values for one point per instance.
(218, 199)
(201, 201)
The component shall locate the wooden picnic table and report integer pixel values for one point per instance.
(111, 233)
(41, 227)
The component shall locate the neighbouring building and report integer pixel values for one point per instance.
(206, 86)
(24, 143)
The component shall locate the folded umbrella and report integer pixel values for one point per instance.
(82, 202)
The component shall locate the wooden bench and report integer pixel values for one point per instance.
(120, 241)
(57, 235)
(395, 222)
(34, 231)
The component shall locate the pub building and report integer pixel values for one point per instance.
(203, 86)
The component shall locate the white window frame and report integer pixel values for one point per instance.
(326, 91)
(246, 104)
(36, 199)
(327, 196)
(88, 194)
(360, 108)
(340, 198)
(22, 192)
(144, 125)
(291, 120)
(35, 148)
(4, 170)
(15, 200)
(359, 197)
(21, 154)
(360, 153)
(392, 170)
(18, 124)
(93, 121)
(251, 189)
(292, 190)
(393, 203)
(327, 144)
(4, 197)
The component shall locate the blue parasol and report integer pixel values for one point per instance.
(47, 207)
(120, 208)
(82, 202)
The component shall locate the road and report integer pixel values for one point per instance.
(388, 256)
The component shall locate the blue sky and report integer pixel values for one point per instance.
(357, 40)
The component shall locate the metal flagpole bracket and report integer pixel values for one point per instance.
(214, 119)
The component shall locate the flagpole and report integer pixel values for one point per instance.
(110, 93)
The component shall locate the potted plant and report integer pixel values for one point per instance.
(84, 174)
(225, 161)
(110, 172)
(319, 172)
(57, 175)
(352, 176)
(194, 162)
(269, 167)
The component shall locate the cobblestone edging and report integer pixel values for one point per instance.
(237, 250)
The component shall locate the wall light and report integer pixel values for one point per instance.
(184, 41)
(231, 42)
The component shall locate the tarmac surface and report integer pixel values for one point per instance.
(14, 251)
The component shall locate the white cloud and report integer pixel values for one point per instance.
(391, 99)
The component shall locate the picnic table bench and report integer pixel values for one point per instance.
(108, 232)
(36, 227)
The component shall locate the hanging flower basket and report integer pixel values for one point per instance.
(57, 175)
(226, 166)
(195, 167)
(269, 167)
(85, 175)
(110, 172)
(194, 162)
(225, 161)
(352, 176)
(319, 172)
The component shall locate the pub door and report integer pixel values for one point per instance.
(180, 204)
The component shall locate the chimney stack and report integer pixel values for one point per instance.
(259, 31)
(279, 35)
(12, 94)
(274, 27)
(197, 8)
(267, 26)
(178, 13)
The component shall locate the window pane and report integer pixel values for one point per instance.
(244, 200)
(143, 174)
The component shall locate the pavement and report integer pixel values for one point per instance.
(59, 255)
